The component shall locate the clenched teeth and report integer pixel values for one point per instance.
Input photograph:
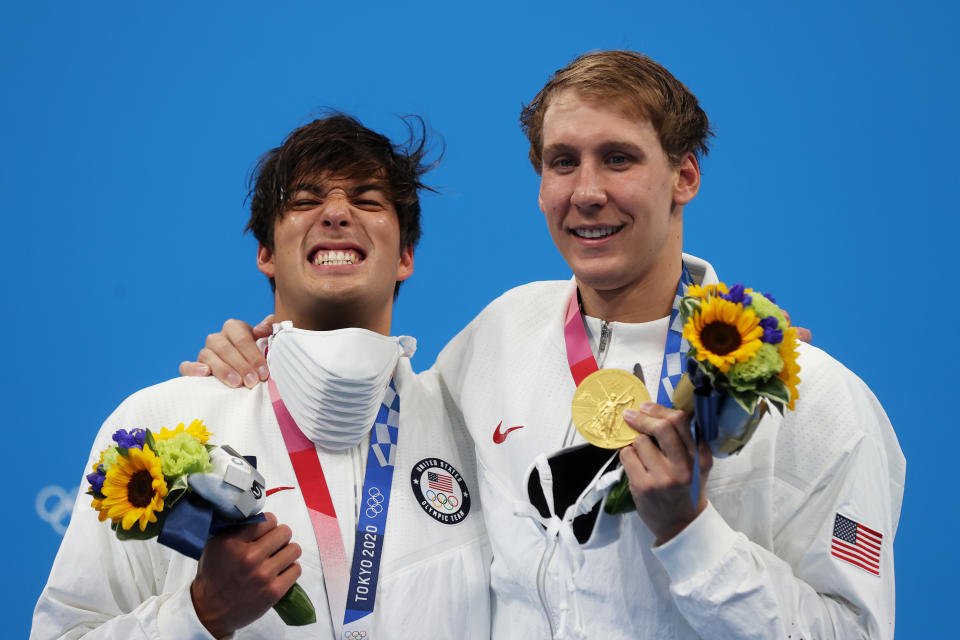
(597, 232)
(348, 256)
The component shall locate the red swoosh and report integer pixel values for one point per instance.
(500, 436)
(275, 489)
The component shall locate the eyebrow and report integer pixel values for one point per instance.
(560, 147)
(315, 189)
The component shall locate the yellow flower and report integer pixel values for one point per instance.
(788, 351)
(134, 489)
(196, 429)
(706, 290)
(723, 333)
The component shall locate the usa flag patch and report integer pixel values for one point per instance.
(856, 544)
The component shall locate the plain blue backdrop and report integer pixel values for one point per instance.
(128, 132)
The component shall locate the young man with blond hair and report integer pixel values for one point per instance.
(764, 552)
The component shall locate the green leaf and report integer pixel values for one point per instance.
(619, 500)
(173, 497)
(295, 608)
(746, 400)
(688, 306)
(122, 451)
(150, 441)
(133, 533)
(775, 389)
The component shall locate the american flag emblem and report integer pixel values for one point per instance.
(440, 481)
(854, 543)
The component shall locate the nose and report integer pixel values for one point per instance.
(336, 210)
(588, 192)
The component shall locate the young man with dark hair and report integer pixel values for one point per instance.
(382, 529)
(792, 537)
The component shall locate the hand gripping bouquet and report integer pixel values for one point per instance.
(742, 357)
(175, 487)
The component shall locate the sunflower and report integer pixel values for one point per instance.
(706, 290)
(788, 351)
(134, 489)
(723, 332)
(196, 429)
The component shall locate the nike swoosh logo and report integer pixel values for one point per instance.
(500, 436)
(275, 489)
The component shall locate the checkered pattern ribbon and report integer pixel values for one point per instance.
(350, 595)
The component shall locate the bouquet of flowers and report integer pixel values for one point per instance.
(175, 487)
(743, 354)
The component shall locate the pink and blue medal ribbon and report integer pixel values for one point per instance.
(351, 590)
(582, 363)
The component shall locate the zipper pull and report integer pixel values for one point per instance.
(604, 337)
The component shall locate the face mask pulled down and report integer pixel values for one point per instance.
(333, 382)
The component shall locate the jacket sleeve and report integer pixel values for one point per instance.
(728, 586)
(100, 587)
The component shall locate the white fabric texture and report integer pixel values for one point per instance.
(332, 382)
(755, 564)
(434, 577)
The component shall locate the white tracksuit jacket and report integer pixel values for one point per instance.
(434, 577)
(756, 564)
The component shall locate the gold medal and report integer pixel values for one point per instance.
(598, 405)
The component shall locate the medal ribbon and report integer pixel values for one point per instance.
(354, 598)
(582, 363)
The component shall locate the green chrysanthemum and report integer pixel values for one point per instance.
(765, 363)
(765, 308)
(182, 454)
(109, 458)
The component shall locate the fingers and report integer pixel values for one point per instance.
(669, 427)
(804, 335)
(220, 369)
(233, 355)
(264, 328)
(194, 369)
(255, 531)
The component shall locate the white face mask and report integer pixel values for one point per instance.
(333, 382)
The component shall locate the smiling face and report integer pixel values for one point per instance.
(614, 206)
(336, 255)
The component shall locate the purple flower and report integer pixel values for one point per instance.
(96, 480)
(769, 296)
(737, 294)
(133, 439)
(771, 334)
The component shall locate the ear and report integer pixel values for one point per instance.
(688, 180)
(540, 197)
(265, 261)
(405, 265)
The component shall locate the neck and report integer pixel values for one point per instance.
(340, 316)
(645, 300)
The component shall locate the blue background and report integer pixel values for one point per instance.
(127, 135)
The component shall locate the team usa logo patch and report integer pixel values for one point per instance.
(440, 490)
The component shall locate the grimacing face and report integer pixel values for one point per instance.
(612, 199)
(336, 247)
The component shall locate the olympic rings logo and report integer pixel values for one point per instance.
(54, 506)
(442, 500)
(354, 635)
(374, 503)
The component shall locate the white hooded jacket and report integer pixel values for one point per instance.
(433, 578)
(756, 564)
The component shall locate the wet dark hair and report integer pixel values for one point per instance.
(339, 145)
